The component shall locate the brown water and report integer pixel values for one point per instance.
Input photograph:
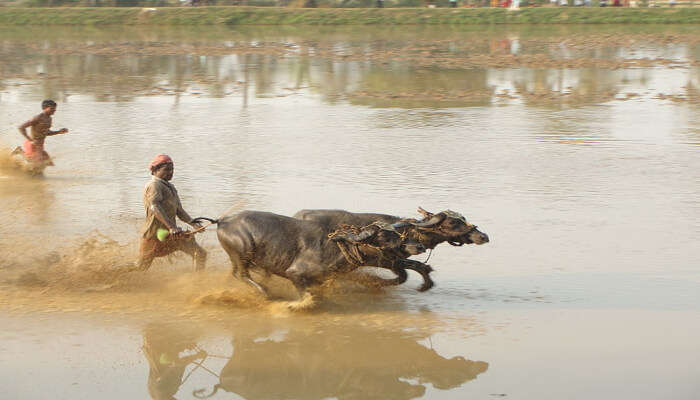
(574, 148)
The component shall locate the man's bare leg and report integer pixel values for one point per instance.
(147, 250)
(197, 252)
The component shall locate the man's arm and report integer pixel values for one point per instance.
(184, 216)
(24, 126)
(58, 132)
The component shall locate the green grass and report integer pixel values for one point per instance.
(337, 16)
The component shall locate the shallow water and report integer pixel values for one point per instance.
(574, 148)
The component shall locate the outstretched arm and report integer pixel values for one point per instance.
(58, 132)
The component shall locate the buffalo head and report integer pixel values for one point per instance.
(451, 227)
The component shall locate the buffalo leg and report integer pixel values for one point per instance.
(423, 269)
(245, 277)
(401, 277)
(301, 275)
(240, 271)
(306, 298)
(198, 254)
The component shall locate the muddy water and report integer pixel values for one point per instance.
(574, 148)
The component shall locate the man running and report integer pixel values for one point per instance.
(162, 206)
(40, 129)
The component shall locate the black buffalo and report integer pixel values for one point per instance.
(303, 251)
(433, 229)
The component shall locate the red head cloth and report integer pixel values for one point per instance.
(160, 159)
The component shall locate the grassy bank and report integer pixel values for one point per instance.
(335, 16)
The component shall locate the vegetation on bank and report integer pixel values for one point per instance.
(338, 16)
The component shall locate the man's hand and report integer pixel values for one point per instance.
(196, 225)
(62, 131)
(176, 230)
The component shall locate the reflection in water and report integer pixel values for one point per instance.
(571, 88)
(298, 361)
(444, 69)
(162, 347)
(407, 87)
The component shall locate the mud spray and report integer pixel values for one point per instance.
(6, 164)
(95, 273)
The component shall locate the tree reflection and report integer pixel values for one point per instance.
(397, 70)
(406, 87)
(558, 88)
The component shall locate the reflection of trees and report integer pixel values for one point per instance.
(556, 88)
(308, 360)
(403, 86)
(386, 68)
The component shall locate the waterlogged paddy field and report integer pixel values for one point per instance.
(574, 148)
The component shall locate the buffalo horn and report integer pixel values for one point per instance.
(434, 220)
(401, 224)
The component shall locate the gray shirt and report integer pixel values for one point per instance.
(163, 193)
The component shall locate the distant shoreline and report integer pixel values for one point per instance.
(342, 16)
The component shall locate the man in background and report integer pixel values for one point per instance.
(40, 129)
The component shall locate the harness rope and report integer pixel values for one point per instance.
(352, 252)
(355, 258)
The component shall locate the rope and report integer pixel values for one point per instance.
(354, 259)
(352, 252)
(430, 253)
(198, 230)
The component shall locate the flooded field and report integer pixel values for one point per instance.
(575, 148)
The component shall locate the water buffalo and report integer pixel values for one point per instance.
(433, 229)
(303, 252)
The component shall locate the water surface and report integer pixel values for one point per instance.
(574, 148)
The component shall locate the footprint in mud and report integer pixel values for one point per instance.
(100, 288)
(30, 279)
(243, 299)
(249, 299)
